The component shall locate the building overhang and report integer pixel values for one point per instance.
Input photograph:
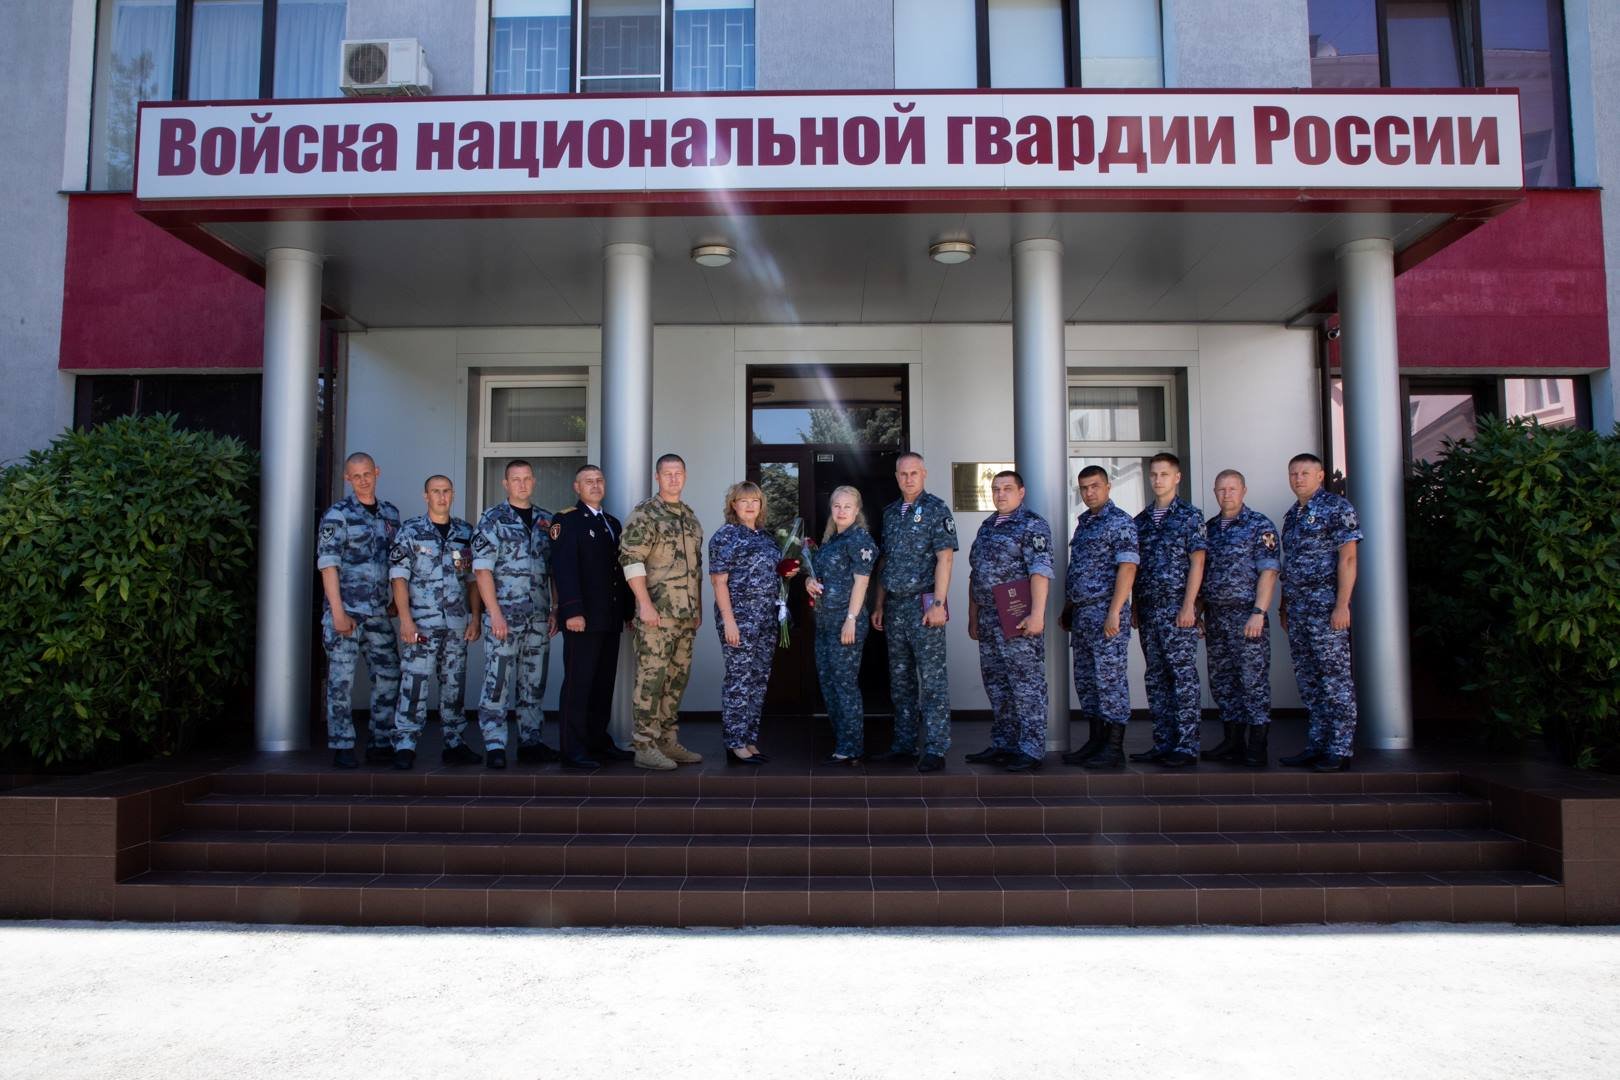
(1220, 206)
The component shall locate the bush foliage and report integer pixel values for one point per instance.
(1514, 542)
(126, 589)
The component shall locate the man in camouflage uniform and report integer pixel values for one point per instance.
(914, 577)
(661, 552)
(511, 556)
(1170, 535)
(1097, 614)
(1239, 578)
(1319, 538)
(352, 557)
(430, 569)
(1013, 544)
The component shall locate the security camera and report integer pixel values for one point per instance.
(1333, 333)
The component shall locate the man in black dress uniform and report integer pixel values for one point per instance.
(593, 605)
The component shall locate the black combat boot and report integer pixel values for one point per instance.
(1158, 753)
(1093, 743)
(1306, 757)
(1254, 755)
(1230, 747)
(1112, 754)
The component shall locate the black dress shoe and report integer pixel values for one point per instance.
(1023, 763)
(344, 759)
(610, 752)
(581, 762)
(379, 755)
(1156, 754)
(733, 758)
(1308, 756)
(404, 759)
(991, 755)
(930, 763)
(496, 758)
(833, 760)
(1254, 753)
(1178, 759)
(762, 755)
(1331, 763)
(896, 756)
(537, 754)
(459, 754)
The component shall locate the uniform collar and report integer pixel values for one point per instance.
(1100, 511)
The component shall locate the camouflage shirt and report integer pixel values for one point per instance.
(356, 540)
(748, 558)
(663, 542)
(436, 570)
(912, 541)
(840, 559)
(518, 556)
(1241, 548)
(1103, 539)
(1011, 550)
(1312, 536)
(1166, 548)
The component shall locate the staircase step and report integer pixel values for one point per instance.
(987, 900)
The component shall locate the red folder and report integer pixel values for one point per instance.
(1013, 605)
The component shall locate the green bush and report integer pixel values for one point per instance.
(1514, 541)
(126, 589)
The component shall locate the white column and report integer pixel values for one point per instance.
(1040, 440)
(1377, 474)
(292, 325)
(627, 385)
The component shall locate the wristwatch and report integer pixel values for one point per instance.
(1257, 611)
(936, 602)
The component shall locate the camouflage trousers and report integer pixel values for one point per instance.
(1239, 667)
(1321, 657)
(663, 664)
(917, 677)
(517, 667)
(748, 669)
(1171, 653)
(838, 669)
(443, 656)
(373, 635)
(1014, 674)
(1100, 663)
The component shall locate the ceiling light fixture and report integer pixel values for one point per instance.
(713, 255)
(951, 252)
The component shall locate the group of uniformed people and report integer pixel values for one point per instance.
(523, 575)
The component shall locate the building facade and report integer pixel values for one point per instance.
(449, 325)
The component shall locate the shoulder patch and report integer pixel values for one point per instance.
(1269, 539)
(1039, 542)
(950, 525)
(556, 530)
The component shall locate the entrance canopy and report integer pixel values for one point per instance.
(1171, 206)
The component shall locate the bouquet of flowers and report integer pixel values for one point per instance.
(786, 567)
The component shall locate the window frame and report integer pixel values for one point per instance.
(1141, 448)
(1071, 41)
(488, 448)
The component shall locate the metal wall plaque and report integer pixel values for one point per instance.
(970, 485)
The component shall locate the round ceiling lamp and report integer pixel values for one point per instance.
(713, 255)
(951, 252)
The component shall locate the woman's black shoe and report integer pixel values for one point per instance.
(733, 759)
(762, 755)
(835, 760)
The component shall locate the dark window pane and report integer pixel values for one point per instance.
(1423, 43)
(1344, 43)
(844, 409)
(223, 404)
(99, 398)
(1524, 47)
(623, 37)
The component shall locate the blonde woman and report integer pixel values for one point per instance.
(742, 566)
(844, 569)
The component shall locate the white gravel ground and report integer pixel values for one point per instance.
(209, 1001)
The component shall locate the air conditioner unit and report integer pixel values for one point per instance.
(393, 66)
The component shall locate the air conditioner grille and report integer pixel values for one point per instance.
(367, 63)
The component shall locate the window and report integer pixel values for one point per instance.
(623, 46)
(948, 44)
(1119, 423)
(210, 50)
(1441, 43)
(223, 404)
(540, 418)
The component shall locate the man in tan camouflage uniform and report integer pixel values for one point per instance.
(662, 555)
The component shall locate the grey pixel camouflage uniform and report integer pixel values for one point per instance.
(838, 561)
(663, 542)
(748, 558)
(1102, 540)
(1311, 539)
(437, 571)
(1171, 651)
(1241, 548)
(1014, 671)
(913, 537)
(355, 540)
(518, 557)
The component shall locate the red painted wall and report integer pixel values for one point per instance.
(1525, 289)
(137, 298)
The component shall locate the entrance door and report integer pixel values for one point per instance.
(811, 430)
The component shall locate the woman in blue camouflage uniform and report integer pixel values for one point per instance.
(742, 566)
(843, 570)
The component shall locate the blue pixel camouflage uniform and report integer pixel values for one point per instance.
(1311, 538)
(518, 556)
(355, 539)
(437, 571)
(913, 536)
(1010, 549)
(1103, 539)
(1241, 548)
(1171, 651)
(840, 559)
(748, 558)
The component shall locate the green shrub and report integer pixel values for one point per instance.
(126, 589)
(1514, 541)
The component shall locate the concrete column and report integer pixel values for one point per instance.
(627, 385)
(292, 325)
(1377, 473)
(1041, 441)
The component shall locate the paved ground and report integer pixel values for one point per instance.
(127, 1001)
